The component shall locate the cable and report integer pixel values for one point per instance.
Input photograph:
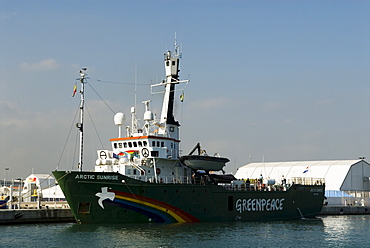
(65, 144)
(111, 82)
(96, 131)
(101, 98)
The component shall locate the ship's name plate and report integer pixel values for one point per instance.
(96, 177)
(259, 205)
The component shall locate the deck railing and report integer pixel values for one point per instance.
(243, 185)
(307, 180)
(167, 180)
(256, 185)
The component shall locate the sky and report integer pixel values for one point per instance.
(270, 80)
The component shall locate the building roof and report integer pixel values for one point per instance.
(333, 171)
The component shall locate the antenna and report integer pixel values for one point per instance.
(135, 83)
(177, 52)
(119, 120)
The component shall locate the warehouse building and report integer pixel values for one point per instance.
(347, 181)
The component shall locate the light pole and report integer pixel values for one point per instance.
(6, 175)
(19, 192)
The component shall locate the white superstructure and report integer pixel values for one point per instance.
(149, 151)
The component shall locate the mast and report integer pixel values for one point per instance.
(171, 61)
(80, 124)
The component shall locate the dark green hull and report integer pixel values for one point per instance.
(96, 197)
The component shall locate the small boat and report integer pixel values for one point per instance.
(143, 178)
(203, 161)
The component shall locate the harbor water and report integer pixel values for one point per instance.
(325, 231)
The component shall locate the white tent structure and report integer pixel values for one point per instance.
(41, 187)
(344, 179)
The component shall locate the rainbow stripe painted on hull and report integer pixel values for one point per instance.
(157, 211)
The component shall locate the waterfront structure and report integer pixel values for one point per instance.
(346, 181)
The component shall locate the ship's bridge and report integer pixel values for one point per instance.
(145, 147)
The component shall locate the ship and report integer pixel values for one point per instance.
(143, 178)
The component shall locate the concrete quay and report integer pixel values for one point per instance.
(31, 216)
(345, 210)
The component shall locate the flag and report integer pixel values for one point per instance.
(32, 179)
(74, 90)
(306, 170)
(119, 155)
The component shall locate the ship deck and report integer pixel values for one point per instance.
(235, 185)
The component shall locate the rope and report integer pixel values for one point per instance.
(96, 131)
(65, 144)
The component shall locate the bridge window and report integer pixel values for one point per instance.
(135, 144)
(120, 145)
(140, 143)
(115, 145)
(145, 143)
(162, 144)
(125, 145)
(153, 143)
(154, 153)
(130, 144)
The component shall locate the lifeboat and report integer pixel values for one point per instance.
(203, 161)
